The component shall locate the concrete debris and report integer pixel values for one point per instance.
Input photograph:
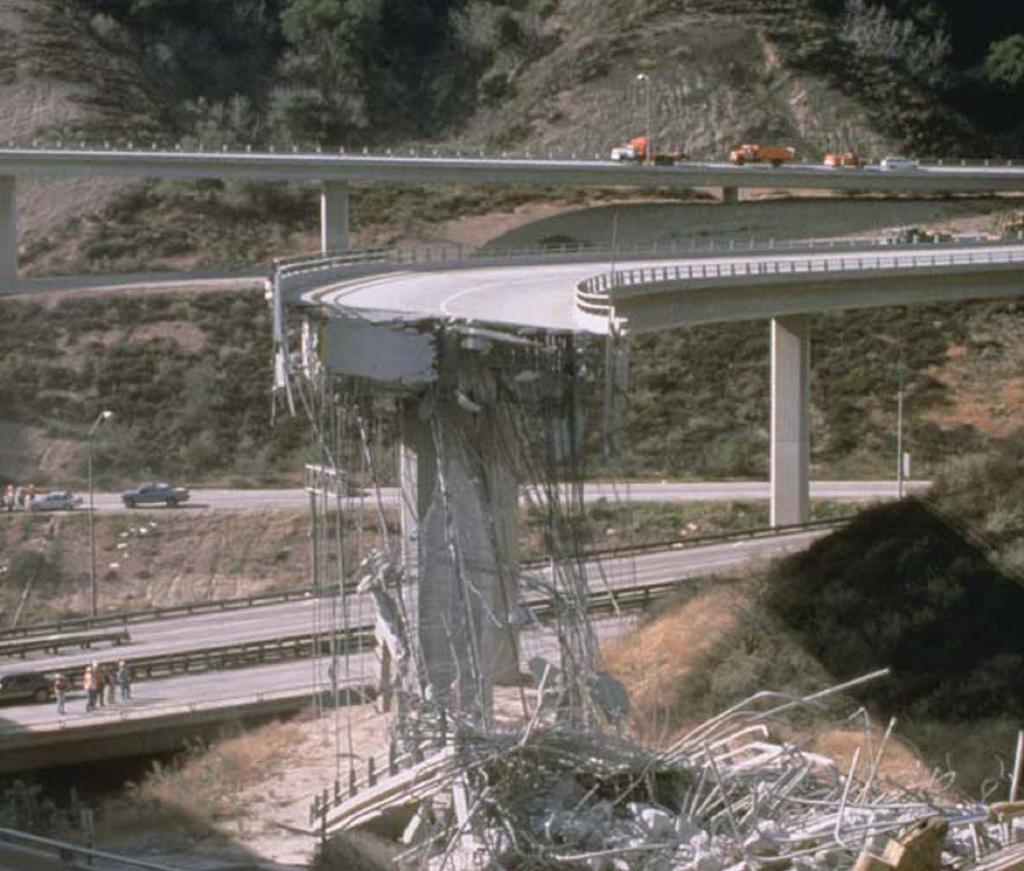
(724, 797)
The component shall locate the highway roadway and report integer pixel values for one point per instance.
(273, 621)
(542, 293)
(211, 499)
(427, 166)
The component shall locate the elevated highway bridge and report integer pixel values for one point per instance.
(336, 169)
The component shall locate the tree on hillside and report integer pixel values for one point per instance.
(362, 66)
(1004, 64)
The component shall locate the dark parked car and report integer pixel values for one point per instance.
(56, 500)
(25, 686)
(149, 494)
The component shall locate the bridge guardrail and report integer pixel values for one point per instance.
(126, 618)
(53, 643)
(591, 291)
(176, 147)
(74, 856)
(239, 654)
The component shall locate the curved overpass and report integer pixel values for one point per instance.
(369, 302)
(654, 291)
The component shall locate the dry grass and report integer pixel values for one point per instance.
(207, 786)
(664, 653)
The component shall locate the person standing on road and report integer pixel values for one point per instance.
(89, 685)
(109, 683)
(19, 496)
(99, 680)
(124, 680)
(60, 690)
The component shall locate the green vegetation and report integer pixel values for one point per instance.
(700, 404)
(903, 588)
(187, 378)
(1004, 63)
(917, 67)
(280, 71)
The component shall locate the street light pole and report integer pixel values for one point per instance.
(643, 77)
(103, 415)
(899, 425)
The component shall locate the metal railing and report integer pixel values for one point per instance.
(74, 856)
(240, 654)
(53, 643)
(426, 153)
(594, 294)
(125, 618)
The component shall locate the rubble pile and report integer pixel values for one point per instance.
(725, 796)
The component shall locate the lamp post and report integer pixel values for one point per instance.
(103, 415)
(899, 425)
(643, 77)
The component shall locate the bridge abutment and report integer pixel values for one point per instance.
(334, 209)
(790, 420)
(8, 228)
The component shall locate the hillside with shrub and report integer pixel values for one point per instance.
(907, 586)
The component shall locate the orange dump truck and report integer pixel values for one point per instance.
(635, 151)
(776, 155)
(850, 159)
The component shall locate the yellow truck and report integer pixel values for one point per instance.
(751, 152)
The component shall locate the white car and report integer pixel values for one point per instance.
(895, 162)
(56, 500)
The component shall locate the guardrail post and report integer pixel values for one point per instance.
(352, 788)
(371, 772)
(392, 759)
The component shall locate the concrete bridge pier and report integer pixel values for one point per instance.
(334, 217)
(466, 506)
(790, 420)
(730, 194)
(8, 229)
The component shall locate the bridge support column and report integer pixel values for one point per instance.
(730, 195)
(790, 420)
(8, 229)
(467, 515)
(333, 217)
